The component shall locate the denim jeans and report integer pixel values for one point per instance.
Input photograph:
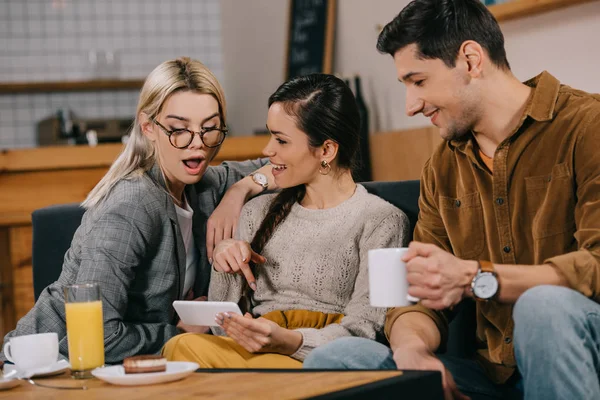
(556, 338)
(557, 343)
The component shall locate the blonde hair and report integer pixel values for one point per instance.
(138, 156)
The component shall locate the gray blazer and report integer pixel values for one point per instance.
(131, 245)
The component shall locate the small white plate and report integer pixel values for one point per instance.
(9, 383)
(116, 374)
(57, 368)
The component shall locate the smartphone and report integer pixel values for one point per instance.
(203, 312)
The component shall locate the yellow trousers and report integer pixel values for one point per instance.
(211, 351)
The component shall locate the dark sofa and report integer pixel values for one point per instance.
(54, 226)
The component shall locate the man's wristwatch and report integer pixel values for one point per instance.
(260, 179)
(485, 284)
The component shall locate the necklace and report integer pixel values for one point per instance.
(178, 203)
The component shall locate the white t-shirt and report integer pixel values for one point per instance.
(184, 217)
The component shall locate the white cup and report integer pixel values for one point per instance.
(388, 286)
(32, 351)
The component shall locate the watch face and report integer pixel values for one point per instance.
(259, 178)
(485, 286)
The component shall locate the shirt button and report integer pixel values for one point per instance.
(499, 201)
(506, 249)
(507, 340)
(457, 203)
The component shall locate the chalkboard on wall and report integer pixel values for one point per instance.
(310, 37)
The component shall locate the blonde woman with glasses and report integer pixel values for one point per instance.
(146, 236)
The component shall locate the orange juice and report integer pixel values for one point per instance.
(85, 334)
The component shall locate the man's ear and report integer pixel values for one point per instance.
(147, 126)
(329, 150)
(472, 55)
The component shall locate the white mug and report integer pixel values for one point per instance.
(388, 286)
(32, 351)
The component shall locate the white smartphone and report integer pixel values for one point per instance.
(203, 312)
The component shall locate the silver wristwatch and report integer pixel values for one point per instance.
(485, 284)
(260, 179)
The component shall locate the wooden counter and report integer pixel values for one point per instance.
(401, 155)
(39, 177)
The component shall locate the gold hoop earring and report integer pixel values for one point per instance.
(326, 166)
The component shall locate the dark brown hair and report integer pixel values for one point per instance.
(440, 27)
(324, 108)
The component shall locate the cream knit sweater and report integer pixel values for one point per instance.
(317, 260)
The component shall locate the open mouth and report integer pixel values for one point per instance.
(193, 164)
(278, 167)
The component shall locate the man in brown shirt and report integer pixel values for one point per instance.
(509, 216)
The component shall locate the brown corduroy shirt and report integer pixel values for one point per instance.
(540, 205)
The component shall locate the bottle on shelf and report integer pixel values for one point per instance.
(65, 122)
(363, 172)
(347, 82)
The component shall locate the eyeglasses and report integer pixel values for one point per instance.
(181, 138)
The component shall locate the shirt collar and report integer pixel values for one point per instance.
(545, 94)
(541, 107)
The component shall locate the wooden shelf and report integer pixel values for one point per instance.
(52, 158)
(37, 177)
(503, 12)
(522, 8)
(69, 86)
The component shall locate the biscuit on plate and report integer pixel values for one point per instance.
(143, 364)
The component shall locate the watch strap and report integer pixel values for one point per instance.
(486, 266)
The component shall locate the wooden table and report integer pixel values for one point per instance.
(300, 384)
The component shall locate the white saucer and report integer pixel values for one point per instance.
(57, 368)
(115, 374)
(9, 383)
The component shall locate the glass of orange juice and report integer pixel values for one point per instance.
(85, 328)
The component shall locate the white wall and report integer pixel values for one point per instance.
(254, 35)
(42, 40)
(564, 42)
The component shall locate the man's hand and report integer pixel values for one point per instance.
(437, 277)
(418, 357)
(259, 335)
(234, 257)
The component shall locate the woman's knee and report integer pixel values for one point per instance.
(185, 347)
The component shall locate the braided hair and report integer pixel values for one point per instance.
(324, 109)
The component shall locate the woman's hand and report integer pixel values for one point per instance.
(259, 335)
(222, 223)
(185, 328)
(234, 256)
